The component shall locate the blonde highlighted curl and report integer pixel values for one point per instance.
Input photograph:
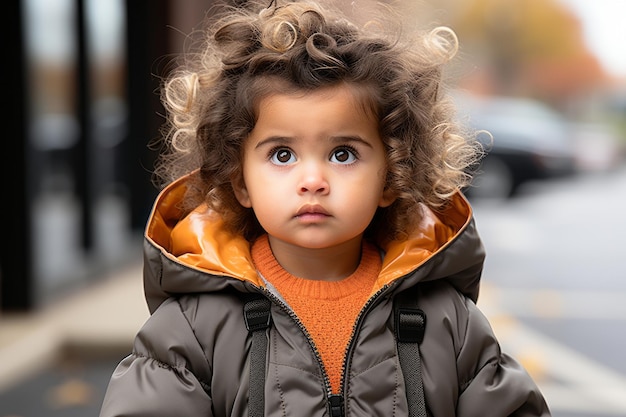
(249, 53)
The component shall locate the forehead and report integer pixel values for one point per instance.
(363, 96)
(323, 112)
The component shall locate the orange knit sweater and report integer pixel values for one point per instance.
(328, 309)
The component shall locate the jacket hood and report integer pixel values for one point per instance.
(191, 252)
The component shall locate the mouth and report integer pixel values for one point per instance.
(312, 211)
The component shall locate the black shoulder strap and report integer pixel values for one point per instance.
(258, 318)
(410, 329)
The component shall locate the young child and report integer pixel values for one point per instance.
(312, 174)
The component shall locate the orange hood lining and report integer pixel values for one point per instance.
(200, 240)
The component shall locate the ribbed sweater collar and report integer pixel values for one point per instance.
(362, 278)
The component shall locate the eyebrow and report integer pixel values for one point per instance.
(357, 139)
(282, 140)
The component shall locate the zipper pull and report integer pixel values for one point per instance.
(336, 405)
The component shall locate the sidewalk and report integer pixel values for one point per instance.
(97, 320)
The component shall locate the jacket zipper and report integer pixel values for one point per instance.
(335, 402)
(280, 303)
(357, 324)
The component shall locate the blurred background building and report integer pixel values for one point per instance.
(83, 76)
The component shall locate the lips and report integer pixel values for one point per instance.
(312, 210)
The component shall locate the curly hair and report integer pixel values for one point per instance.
(254, 51)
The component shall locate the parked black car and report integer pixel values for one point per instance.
(524, 140)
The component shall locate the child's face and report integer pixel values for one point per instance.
(314, 168)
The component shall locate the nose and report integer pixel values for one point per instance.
(313, 180)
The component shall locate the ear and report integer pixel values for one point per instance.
(241, 193)
(387, 198)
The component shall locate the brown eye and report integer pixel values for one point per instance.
(343, 156)
(282, 156)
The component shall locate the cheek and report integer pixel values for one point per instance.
(263, 189)
(368, 190)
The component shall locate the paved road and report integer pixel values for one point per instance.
(554, 289)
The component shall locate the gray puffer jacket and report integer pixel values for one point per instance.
(191, 358)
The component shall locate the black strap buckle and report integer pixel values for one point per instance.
(257, 314)
(411, 325)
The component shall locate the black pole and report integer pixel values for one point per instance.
(16, 279)
(82, 173)
(147, 43)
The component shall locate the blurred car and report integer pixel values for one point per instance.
(524, 140)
